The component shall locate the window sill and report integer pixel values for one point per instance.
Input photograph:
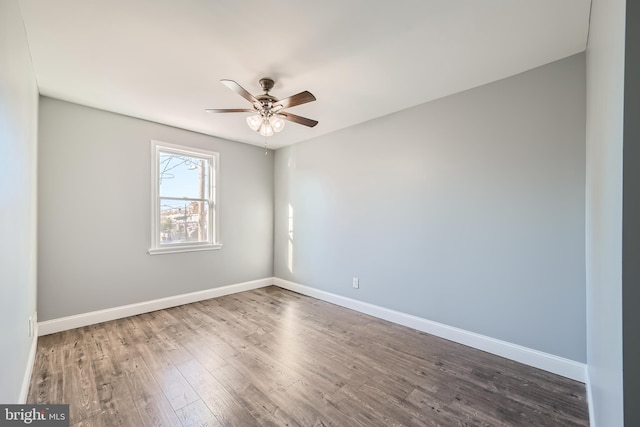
(178, 249)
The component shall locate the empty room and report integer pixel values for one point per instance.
(347, 213)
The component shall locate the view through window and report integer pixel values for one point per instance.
(184, 202)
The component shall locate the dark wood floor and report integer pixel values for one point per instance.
(274, 357)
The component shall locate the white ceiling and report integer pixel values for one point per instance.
(162, 60)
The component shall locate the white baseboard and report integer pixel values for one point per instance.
(538, 359)
(76, 321)
(26, 380)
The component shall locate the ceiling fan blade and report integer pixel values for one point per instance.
(298, 119)
(297, 99)
(239, 90)
(229, 110)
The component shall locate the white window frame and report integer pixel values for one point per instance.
(213, 158)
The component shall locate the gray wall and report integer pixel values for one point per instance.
(605, 92)
(468, 210)
(18, 145)
(94, 213)
(631, 218)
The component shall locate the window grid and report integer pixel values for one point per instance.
(184, 213)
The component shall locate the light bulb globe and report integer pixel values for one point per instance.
(276, 123)
(254, 122)
(266, 129)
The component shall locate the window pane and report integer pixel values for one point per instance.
(183, 176)
(182, 222)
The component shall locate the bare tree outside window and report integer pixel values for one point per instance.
(183, 202)
(184, 198)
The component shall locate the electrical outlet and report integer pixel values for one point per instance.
(356, 283)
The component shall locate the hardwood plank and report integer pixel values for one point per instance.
(204, 354)
(382, 413)
(259, 405)
(266, 375)
(196, 414)
(226, 409)
(116, 403)
(305, 405)
(121, 340)
(140, 380)
(79, 386)
(155, 410)
(47, 378)
(177, 390)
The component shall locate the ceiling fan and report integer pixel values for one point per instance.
(269, 109)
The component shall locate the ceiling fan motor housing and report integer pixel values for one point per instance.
(267, 84)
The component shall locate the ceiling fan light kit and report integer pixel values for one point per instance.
(266, 126)
(269, 117)
(263, 126)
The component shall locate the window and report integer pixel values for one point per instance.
(183, 205)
